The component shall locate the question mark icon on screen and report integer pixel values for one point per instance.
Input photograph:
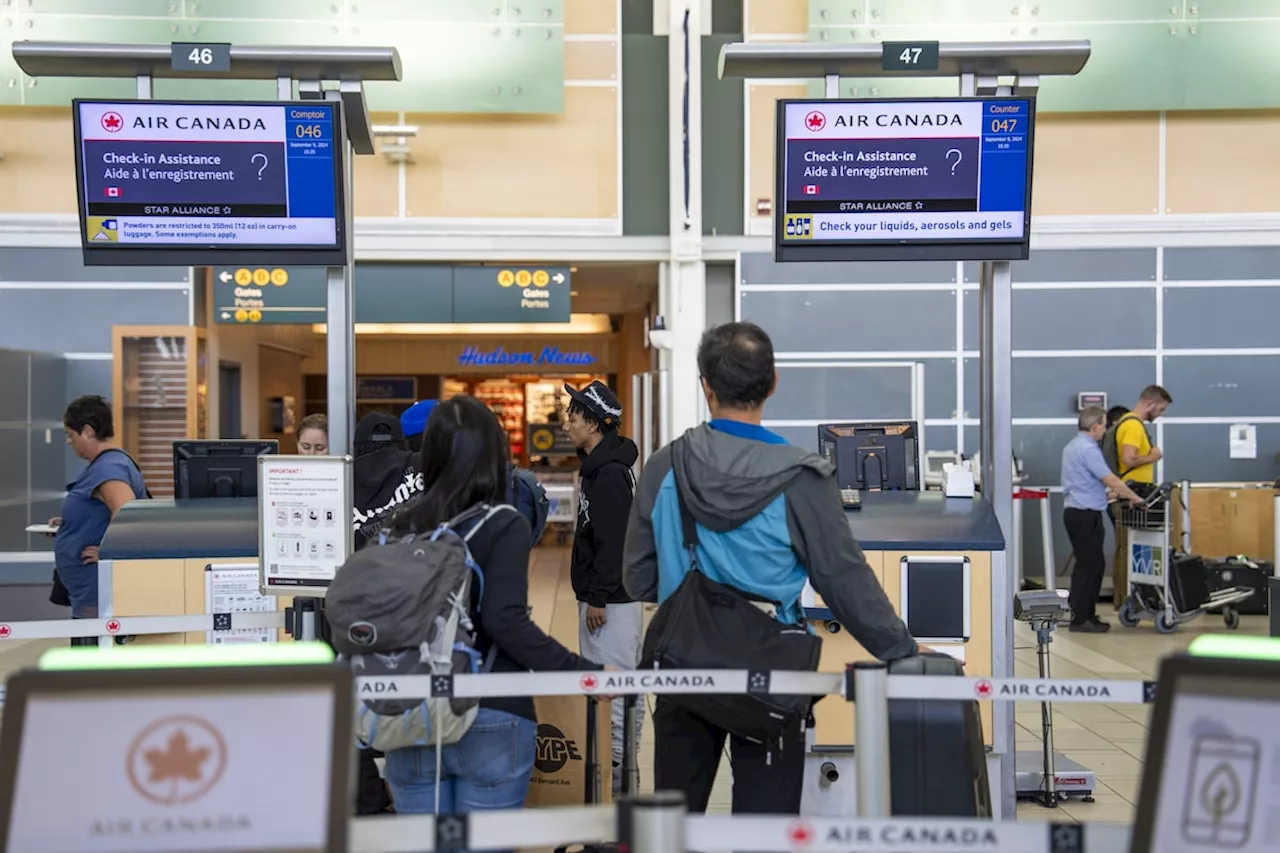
(959, 157)
(255, 157)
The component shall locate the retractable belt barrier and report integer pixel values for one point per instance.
(738, 681)
(498, 830)
(128, 626)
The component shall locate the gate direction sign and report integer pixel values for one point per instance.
(395, 293)
(511, 294)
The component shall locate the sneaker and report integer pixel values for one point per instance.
(1095, 620)
(1089, 628)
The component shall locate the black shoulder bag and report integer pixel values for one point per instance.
(710, 625)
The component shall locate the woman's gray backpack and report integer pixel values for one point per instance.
(403, 607)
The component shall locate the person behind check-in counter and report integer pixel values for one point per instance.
(313, 436)
(111, 480)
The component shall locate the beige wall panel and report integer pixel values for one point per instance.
(150, 588)
(761, 135)
(377, 181)
(590, 17)
(37, 174)
(591, 60)
(1202, 180)
(771, 17)
(1096, 164)
(563, 166)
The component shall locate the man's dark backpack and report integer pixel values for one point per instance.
(526, 494)
(710, 625)
(1111, 446)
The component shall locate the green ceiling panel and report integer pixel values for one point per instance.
(1147, 54)
(117, 8)
(459, 56)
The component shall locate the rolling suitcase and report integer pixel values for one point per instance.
(1241, 571)
(939, 763)
(594, 794)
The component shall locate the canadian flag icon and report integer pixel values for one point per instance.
(810, 189)
(113, 192)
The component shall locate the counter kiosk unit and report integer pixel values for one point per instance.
(160, 557)
(933, 556)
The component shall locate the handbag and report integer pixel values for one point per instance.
(709, 625)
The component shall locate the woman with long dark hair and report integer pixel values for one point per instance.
(464, 464)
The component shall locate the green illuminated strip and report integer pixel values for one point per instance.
(1225, 646)
(180, 657)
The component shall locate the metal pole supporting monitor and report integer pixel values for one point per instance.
(979, 68)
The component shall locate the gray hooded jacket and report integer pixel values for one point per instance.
(769, 516)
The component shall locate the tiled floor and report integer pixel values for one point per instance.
(1109, 739)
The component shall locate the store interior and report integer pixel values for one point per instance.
(217, 379)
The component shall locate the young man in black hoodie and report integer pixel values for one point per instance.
(610, 623)
(385, 475)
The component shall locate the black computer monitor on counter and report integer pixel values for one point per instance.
(873, 455)
(218, 469)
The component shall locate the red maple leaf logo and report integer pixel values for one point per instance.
(984, 689)
(112, 122)
(815, 121)
(589, 682)
(5, 631)
(113, 626)
(799, 834)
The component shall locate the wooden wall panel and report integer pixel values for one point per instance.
(37, 174)
(591, 60)
(519, 166)
(778, 17)
(377, 181)
(761, 135)
(1097, 164)
(590, 17)
(1222, 161)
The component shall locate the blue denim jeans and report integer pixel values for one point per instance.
(488, 769)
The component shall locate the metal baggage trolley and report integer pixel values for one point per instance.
(1150, 559)
(562, 492)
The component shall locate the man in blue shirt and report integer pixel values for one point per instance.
(1085, 480)
(768, 517)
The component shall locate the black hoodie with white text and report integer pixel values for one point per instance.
(604, 505)
(382, 483)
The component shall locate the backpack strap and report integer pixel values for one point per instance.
(490, 512)
(1128, 416)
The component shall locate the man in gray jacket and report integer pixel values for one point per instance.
(768, 519)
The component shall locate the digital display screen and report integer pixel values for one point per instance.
(168, 183)
(1219, 779)
(176, 771)
(928, 179)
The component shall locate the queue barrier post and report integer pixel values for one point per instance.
(654, 823)
(871, 737)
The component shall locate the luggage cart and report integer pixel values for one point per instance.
(1151, 560)
(562, 515)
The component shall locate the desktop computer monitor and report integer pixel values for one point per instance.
(178, 760)
(1209, 780)
(218, 469)
(873, 455)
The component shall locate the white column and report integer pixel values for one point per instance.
(685, 300)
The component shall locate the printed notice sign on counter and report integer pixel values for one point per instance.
(304, 521)
(236, 589)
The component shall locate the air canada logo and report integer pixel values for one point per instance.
(112, 122)
(815, 121)
(554, 750)
(176, 760)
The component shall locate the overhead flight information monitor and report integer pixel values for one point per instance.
(888, 180)
(174, 184)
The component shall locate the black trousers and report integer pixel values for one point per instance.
(767, 779)
(1088, 536)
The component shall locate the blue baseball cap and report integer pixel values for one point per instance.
(414, 419)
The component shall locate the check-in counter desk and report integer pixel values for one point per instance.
(933, 556)
(157, 557)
